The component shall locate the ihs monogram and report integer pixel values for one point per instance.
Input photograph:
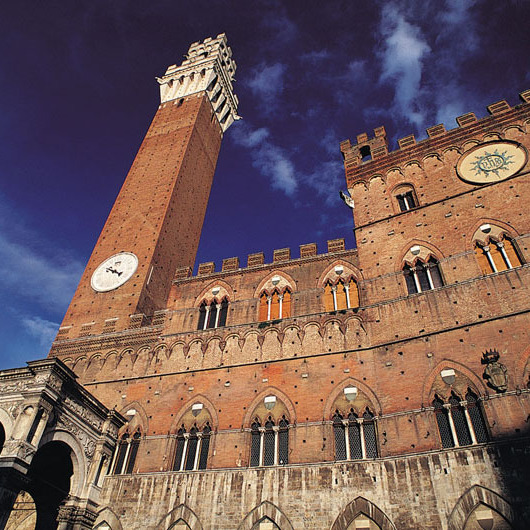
(492, 163)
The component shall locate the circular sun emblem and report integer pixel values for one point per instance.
(491, 162)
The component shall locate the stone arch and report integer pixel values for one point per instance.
(492, 136)
(208, 405)
(509, 230)
(474, 496)
(180, 513)
(80, 365)
(226, 290)
(288, 281)
(374, 180)
(271, 390)
(428, 250)
(427, 394)
(106, 515)
(339, 387)
(362, 506)
(268, 510)
(139, 419)
(350, 270)
(79, 461)
(6, 423)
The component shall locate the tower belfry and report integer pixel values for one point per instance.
(155, 224)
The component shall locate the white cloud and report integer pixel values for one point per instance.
(404, 53)
(315, 56)
(43, 330)
(269, 159)
(49, 280)
(266, 83)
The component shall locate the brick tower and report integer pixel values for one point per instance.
(155, 224)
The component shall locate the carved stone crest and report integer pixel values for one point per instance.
(495, 372)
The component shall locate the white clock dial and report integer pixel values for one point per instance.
(114, 272)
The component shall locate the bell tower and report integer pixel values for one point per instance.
(155, 224)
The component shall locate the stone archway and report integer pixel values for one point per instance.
(266, 513)
(23, 516)
(49, 481)
(363, 510)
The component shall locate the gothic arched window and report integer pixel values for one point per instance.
(126, 452)
(344, 294)
(406, 198)
(497, 256)
(424, 276)
(275, 306)
(355, 438)
(192, 448)
(269, 444)
(213, 314)
(459, 422)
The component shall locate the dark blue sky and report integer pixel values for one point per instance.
(78, 93)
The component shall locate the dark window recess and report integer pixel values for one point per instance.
(406, 201)
(442, 418)
(122, 450)
(340, 438)
(180, 449)
(133, 451)
(205, 445)
(270, 440)
(202, 316)
(192, 449)
(370, 441)
(255, 447)
(459, 421)
(283, 442)
(224, 313)
(477, 418)
(365, 152)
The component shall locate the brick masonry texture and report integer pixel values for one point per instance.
(392, 347)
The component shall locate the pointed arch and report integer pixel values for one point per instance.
(139, 419)
(349, 270)
(288, 281)
(474, 496)
(362, 506)
(339, 387)
(427, 391)
(180, 513)
(106, 515)
(206, 293)
(199, 398)
(428, 250)
(261, 396)
(269, 510)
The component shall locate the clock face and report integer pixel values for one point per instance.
(491, 162)
(114, 272)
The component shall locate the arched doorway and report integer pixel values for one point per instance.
(2, 436)
(49, 474)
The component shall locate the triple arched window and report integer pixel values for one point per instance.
(342, 294)
(355, 437)
(269, 442)
(496, 256)
(213, 314)
(192, 448)
(126, 452)
(460, 422)
(423, 276)
(275, 305)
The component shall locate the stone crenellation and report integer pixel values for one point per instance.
(367, 149)
(281, 255)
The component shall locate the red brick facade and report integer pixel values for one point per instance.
(391, 347)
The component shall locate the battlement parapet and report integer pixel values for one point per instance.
(255, 260)
(365, 156)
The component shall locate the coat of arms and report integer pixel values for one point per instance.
(495, 372)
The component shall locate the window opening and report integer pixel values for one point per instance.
(497, 256)
(192, 448)
(423, 276)
(355, 438)
(125, 453)
(460, 423)
(269, 444)
(342, 295)
(275, 306)
(212, 315)
(406, 201)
